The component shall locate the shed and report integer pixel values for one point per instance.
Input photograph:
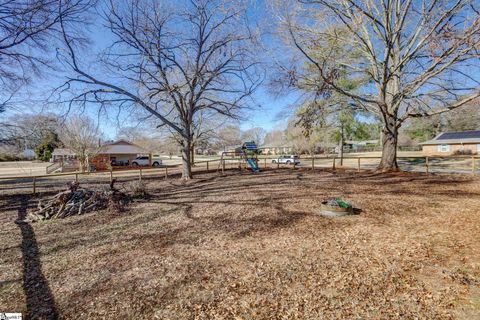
(62, 155)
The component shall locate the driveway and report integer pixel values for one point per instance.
(22, 168)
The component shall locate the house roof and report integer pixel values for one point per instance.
(122, 147)
(455, 138)
(474, 134)
(62, 152)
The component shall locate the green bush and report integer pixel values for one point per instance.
(44, 150)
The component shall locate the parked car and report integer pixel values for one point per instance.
(288, 159)
(156, 162)
(117, 163)
(145, 161)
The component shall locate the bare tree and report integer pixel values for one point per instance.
(228, 136)
(173, 64)
(256, 134)
(81, 135)
(144, 136)
(28, 31)
(410, 58)
(301, 142)
(275, 138)
(170, 147)
(32, 128)
(205, 126)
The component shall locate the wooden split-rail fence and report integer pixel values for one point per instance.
(232, 163)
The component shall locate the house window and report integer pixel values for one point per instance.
(444, 148)
(478, 147)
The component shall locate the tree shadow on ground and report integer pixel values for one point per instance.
(39, 298)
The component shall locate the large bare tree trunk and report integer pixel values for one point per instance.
(391, 121)
(389, 149)
(192, 154)
(186, 164)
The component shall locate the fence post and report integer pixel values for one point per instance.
(313, 163)
(111, 174)
(265, 163)
(426, 164)
(76, 177)
(34, 185)
(223, 166)
(207, 165)
(140, 175)
(473, 165)
(359, 164)
(166, 173)
(333, 163)
(278, 164)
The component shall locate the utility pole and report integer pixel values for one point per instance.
(341, 142)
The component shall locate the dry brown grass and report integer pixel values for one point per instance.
(252, 247)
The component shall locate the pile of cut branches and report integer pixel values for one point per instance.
(77, 201)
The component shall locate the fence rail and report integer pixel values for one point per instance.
(314, 163)
(427, 160)
(378, 148)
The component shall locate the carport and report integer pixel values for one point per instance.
(121, 152)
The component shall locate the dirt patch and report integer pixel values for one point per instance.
(251, 247)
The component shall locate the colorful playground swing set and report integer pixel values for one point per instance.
(249, 153)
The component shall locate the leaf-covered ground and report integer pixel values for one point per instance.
(254, 247)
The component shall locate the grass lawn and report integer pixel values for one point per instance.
(249, 246)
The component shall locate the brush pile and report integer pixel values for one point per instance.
(77, 201)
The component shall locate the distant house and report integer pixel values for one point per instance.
(204, 151)
(234, 150)
(449, 143)
(62, 155)
(120, 152)
(64, 160)
(277, 150)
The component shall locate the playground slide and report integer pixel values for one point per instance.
(252, 164)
